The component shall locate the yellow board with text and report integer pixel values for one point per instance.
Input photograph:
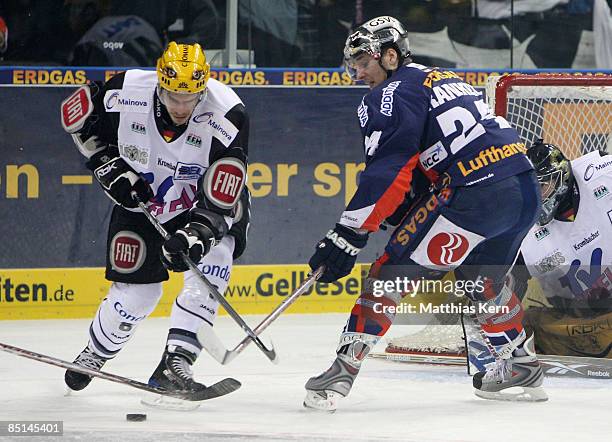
(68, 293)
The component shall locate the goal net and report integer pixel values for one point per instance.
(573, 112)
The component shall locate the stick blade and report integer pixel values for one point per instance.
(214, 347)
(212, 344)
(271, 353)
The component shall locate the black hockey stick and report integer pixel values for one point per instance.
(220, 388)
(269, 352)
(213, 345)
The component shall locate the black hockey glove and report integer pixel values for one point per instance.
(337, 252)
(203, 231)
(118, 180)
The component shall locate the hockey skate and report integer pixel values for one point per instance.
(174, 377)
(87, 358)
(323, 392)
(174, 372)
(518, 378)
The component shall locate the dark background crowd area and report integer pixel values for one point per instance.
(281, 33)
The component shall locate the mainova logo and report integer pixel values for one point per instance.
(203, 118)
(112, 100)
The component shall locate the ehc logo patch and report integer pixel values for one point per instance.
(127, 252)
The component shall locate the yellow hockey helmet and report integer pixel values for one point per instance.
(182, 68)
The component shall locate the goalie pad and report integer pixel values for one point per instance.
(221, 185)
(558, 333)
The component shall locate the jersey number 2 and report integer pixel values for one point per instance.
(470, 129)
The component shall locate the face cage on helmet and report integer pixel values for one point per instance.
(551, 202)
(161, 92)
(370, 46)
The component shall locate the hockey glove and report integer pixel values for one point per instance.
(118, 180)
(337, 252)
(204, 230)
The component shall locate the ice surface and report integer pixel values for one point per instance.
(390, 401)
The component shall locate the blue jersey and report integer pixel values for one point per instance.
(424, 126)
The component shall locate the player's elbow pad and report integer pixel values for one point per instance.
(220, 187)
(78, 120)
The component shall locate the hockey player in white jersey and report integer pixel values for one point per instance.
(569, 252)
(179, 140)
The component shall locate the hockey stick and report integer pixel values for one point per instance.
(553, 365)
(269, 352)
(213, 345)
(220, 388)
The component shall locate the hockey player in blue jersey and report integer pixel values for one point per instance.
(455, 181)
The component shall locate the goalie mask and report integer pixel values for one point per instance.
(554, 174)
(372, 38)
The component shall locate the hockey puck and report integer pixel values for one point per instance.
(136, 417)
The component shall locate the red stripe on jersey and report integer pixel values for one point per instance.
(393, 196)
(375, 268)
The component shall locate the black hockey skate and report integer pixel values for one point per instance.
(173, 374)
(87, 358)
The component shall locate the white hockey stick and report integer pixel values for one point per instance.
(213, 345)
(553, 365)
(269, 352)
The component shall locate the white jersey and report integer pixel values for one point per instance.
(569, 258)
(172, 169)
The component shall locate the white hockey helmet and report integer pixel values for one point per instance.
(373, 37)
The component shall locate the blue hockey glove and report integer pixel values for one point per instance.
(337, 252)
